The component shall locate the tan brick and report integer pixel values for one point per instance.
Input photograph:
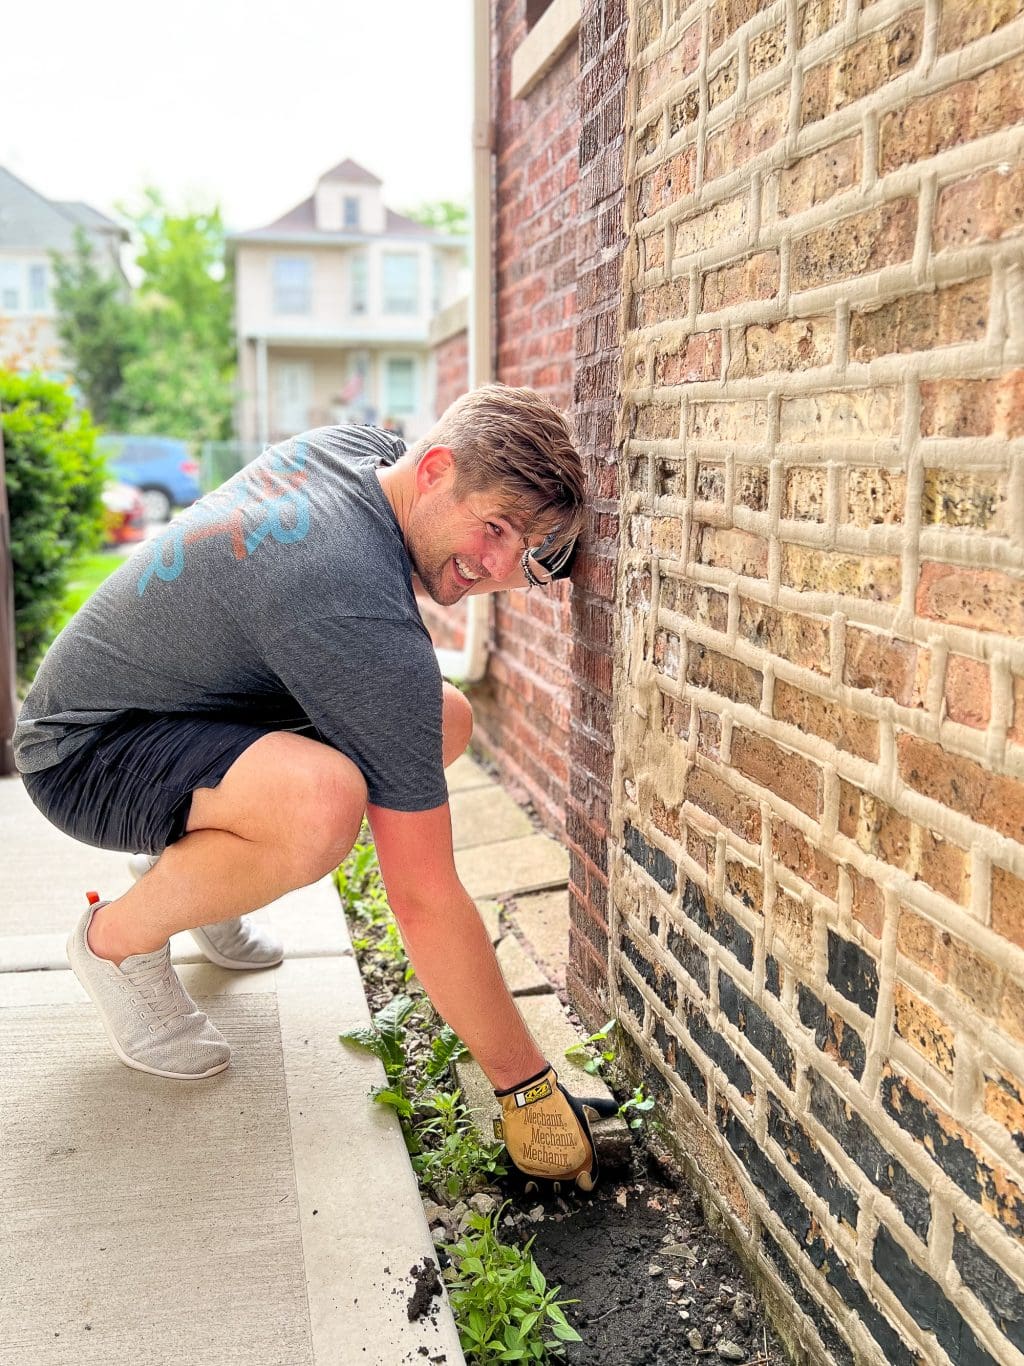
(983, 208)
(974, 977)
(963, 21)
(964, 498)
(968, 691)
(755, 278)
(973, 407)
(726, 16)
(886, 666)
(875, 497)
(920, 322)
(739, 551)
(922, 943)
(792, 777)
(823, 571)
(1008, 906)
(661, 303)
(923, 1028)
(963, 785)
(858, 245)
(862, 68)
(817, 177)
(940, 863)
(853, 415)
(744, 421)
(708, 669)
(817, 17)
(667, 537)
(648, 138)
(867, 904)
(724, 804)
(796, 852)
(710, 483)
(1004, 1103)
(971, 109)
(804, 640)
(805, 494)
(745, 884)
(793, 930)
(1011, 1010)
(666, 653)
(840, 726)
(654, 422)
(751, 487)
(670, 479)
(672, 66)
(723, 84)
(766, 50)
(1016, 732)
(666, 184)
(701, 604)
(684, 112)
(653, 250)
(648, 23)
(874, 826)
(982, 599)
(710, 227)
(793, 344)
(701, 848)
(699, 358)
(759, 127)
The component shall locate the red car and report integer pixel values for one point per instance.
(124, 515)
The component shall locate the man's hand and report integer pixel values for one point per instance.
(546, 1130)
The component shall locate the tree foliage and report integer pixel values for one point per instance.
(446, 215)
(54, 481)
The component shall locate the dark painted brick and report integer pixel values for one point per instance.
(831, 1034)
(940, 1137)
(717, 922)
(857, 1139)
(711, 1042)
(814, 1311)
(771, 975)
(632, 997)
(807, 1159)
(853, 972)
(653, 974)
(690, 956)
(751, 1020)
(1001, 1296)
(684, 1066)
(653, 861)
(780, 1195)
(921, 1297)
(695, 906)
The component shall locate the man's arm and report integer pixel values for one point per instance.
(447, 943)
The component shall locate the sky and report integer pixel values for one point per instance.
(238, 102)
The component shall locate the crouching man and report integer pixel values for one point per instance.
(242, 690)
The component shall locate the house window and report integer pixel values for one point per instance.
(400, 385)
(293, 284)
(10, 285)
(359, 280)
(401, 282)
(38, 299)
(351, 211)
(437, 284)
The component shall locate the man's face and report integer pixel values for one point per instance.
(456, 543)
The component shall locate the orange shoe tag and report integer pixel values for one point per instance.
(92, 898)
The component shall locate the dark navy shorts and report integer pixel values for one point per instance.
(130, 787)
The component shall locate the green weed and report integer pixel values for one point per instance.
(452, 1159)
(589, 1055)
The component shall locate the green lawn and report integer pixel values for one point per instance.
(86, 576)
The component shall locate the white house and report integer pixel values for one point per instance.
(31, 226)
(333, 308)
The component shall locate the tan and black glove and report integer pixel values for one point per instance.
(546, 1130)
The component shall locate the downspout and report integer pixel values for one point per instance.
(469, 664)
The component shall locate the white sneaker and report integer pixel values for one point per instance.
(150, 1019)
(235, 943)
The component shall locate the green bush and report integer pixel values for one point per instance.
(55, 478)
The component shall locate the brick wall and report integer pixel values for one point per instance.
(522, 707)
(451, 359)
(817, 906)
(600, 246)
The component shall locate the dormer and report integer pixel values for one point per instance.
(348, 199)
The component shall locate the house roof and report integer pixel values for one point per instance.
(351, 171)
(29, 219)
(300, 222)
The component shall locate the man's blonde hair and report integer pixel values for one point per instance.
(516, 443)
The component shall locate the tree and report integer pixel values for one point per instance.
(95, 325)
(446, 215)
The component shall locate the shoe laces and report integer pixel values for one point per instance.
(157, 987)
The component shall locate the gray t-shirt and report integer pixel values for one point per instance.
(282, 598)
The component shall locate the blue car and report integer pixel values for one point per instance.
(162, 468)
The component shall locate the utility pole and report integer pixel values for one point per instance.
(8, 693)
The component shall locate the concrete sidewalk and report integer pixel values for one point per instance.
(267, 1216)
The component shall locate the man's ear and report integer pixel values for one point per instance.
(434, 470)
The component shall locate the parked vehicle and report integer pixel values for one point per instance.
(124, 514)
(163, 468)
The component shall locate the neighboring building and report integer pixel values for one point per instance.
(333, 307)
(31, 227)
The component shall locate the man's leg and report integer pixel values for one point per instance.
(287, 812)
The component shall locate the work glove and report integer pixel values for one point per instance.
(546, 1130)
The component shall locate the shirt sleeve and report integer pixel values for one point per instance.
(372, 689)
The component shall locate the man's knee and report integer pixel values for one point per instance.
(457, 724)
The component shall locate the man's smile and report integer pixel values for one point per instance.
(463, 573)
